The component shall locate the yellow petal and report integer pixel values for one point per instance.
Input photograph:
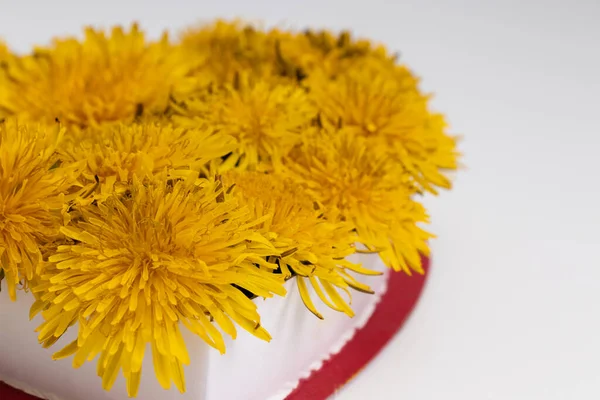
(66, 351)
(161, 368)
(306, 297)
(112, 369)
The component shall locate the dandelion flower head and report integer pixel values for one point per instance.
(111, 155)
(356, 184)
(104, 78)
(313, 249)
(224, 49)
(387, 108)
(137, 268)
(30, 197)
(266, 120)
(324, 52)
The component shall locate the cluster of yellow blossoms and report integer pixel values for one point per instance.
(150, 186)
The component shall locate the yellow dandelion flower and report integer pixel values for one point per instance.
(115, 153)
(356, 183)
(302, 54)
(30, 197)
(312, 248)
(137, 268)
(266, 120)
(227, 48)
(224, 49)
(103, 78)
(388, 109)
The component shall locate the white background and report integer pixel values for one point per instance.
(512, 308)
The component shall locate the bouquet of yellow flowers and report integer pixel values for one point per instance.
(152, 186)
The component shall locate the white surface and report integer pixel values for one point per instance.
(511, 309)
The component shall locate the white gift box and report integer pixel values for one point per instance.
(251, 369)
